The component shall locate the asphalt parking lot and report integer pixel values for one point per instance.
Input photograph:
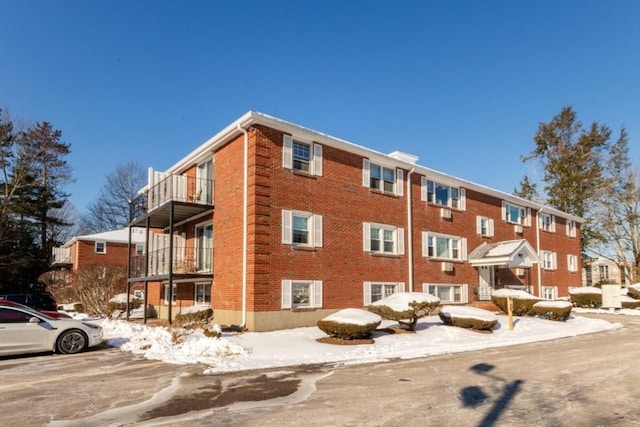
(589, 380)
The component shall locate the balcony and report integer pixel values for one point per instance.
(61, 257)
(186, 263)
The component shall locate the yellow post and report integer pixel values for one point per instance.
(510, 312)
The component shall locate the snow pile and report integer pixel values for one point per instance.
(553, 304)
(353, 316)
(585, 290)
(400, 301)
(122, 298)
(194, 309)
(466, 312)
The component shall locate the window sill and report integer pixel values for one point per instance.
(303, 174)
(384, 193)
(383, 255)
(304, 248)
(302, 309)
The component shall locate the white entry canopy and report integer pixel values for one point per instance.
(510, 253)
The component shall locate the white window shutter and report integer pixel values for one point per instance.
(399, 182)
(366, 236)
(287, 152)
(464, 293)
(400, 286)
(286, 294)
(479, 225)
(317, 159)
(367, 293)
(569, 264)
(528, 218)
(400, 237)
(553, 223)
(490, 227)
(504, 210)
(317, 231)
(317, 293)
(287, 230)
(425, 288)
(462, 204)
(423, 189)
(425, 244)
(463, 249)
(365, 173)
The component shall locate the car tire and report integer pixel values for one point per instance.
(72, 341)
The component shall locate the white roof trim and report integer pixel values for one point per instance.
(512, 253)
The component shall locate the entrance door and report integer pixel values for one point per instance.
(485, 282)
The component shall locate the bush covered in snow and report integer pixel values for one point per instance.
(350, 324)
(118, 304)
(522, 301)
(634, 291)
(552, 310)
(628, 302)
(468, 317)
(406, 307)
(586, 297)
(194, 316)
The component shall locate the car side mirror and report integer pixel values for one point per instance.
(34, 319)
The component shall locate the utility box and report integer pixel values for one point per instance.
(611, 297)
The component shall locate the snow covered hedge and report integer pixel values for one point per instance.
(350, 324)
(468, 317)
(586, 297)
(628, 302)
(118, 304)
(194, 316)
(552, 310)
(523, 302)
(634, 291)
(406, 307)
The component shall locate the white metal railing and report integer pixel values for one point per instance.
(180, 188)
(61, 256)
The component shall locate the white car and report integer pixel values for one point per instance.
(23, 330)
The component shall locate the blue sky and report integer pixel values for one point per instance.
(461, 84)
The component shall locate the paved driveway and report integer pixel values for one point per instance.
(589, 380)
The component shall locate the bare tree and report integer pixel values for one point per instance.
(118, 202)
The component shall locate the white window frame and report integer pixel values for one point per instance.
(398, 175)
(397, 234)
(205, 291)
(314, 228)
(453, 243)
(549, 260)
(139, 249)
(315, 294)
(572, 263)
(524, 214)
(571, 228)
(550, 292)
(430, 288)
(315, 153)
(547, 222)
(174, 298)
(484, 226)
(428, 194)
(97, 245)
(203, 248)
(367, 290)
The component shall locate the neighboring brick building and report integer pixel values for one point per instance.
(302, 224)
(96, 251)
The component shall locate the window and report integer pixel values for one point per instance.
(549, 260)
(604, 272)
(383, 239)
(374, 291)
(447, 292)
(484, 226)
(550, 292)
(173, 294)
(443, 194)
(516, 214)
(572, 263)
(302, 156)
(204, 247)
(301, 228)
(301, 294)
(382, 178)
(547, 222)
(202, 294)
(571, 228)
(204, 183)
(139, 249)
(101, 247)
(443, 246)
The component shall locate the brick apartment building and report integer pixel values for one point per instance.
(95, 251)
(276, 225)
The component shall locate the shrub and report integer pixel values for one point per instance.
(350, 324)
(406, 307)
(633, 292)
(628, 302)
(193, 318)
(586, 297)
(468, 318)
(523, 302)
(552, 310)
(113, 306)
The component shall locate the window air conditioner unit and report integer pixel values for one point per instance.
(447, 266)
(518, 228)
(445, 213)
(520, 272)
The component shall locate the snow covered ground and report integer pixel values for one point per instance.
(256, 350)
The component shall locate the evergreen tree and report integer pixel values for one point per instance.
(528, 190)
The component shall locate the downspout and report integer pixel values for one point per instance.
(245, 221)
(410, 230)
(539, 252)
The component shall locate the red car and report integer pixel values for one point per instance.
(50, 313)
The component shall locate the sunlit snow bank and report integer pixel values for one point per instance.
(256, 350)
